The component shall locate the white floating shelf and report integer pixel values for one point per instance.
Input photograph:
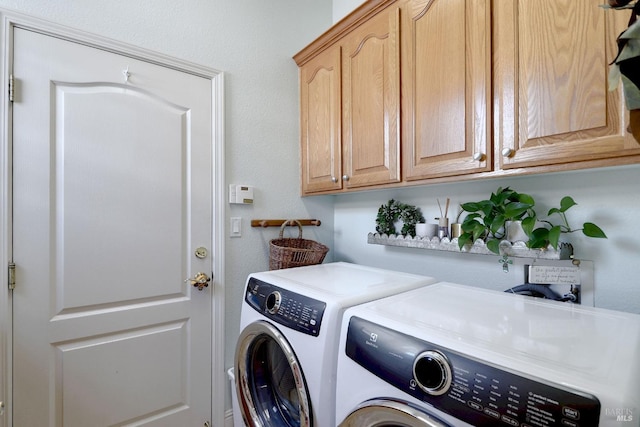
(517, 249)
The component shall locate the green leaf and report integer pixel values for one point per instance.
(525, 198)
(494, 246)
(566, 203)
(516, 209)
(479, 232)
(592, 230)
(553, 210)
(463, 239)
(554, 236)
(469, 226)
(528, 224)
(487, 207)
(470, 207)
(497, 224)
(539, 238)
(471, 217)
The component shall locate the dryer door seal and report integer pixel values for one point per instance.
(269, 380)
(390, 413)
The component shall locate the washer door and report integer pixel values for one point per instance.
(269, 381)
(390, 413)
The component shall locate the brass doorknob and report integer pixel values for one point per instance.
(200, 281)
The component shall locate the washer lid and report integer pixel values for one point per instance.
(546, 338)
(344, 281)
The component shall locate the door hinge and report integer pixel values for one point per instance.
(11, 84)
(12, 275)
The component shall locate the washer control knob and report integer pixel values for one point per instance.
(273, 302)
(432, 372)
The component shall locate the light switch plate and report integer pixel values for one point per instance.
(235, 229)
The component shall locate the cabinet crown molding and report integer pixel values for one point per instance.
(340, 28)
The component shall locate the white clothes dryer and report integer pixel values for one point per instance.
(453, 355)
(285, 361)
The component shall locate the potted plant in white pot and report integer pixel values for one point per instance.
(487, 218)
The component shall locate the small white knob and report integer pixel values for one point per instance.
(478, 157)
(345, 177)
(508, 152)
(334, 179)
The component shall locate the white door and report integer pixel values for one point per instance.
(112, 195)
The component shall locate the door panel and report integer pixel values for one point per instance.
(112, 195)
(446, 87)
(551, 66)
(371, 102)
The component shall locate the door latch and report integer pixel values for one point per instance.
(200, 281)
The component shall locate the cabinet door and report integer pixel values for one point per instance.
(446, 87)
(371, 101)
(320, 107)
(552, 105)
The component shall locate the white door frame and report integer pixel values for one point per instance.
(8, 21)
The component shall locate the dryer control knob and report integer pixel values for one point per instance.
(273, 302)
(432, 372)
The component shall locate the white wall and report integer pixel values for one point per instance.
(608, 197)
(252, 42)
(342, 8)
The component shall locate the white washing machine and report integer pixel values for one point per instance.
(453, 355)
(285, 362)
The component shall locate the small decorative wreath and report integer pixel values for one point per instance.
(393, 211)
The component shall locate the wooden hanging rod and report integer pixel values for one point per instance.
(278, 222)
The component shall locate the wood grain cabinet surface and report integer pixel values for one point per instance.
(446, 87)
(350, 109)
(552, 103)
(409, 92)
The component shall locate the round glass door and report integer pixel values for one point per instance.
(390, 413)
(269, 382)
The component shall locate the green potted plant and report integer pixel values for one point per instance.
(549, 233)
(487, 218)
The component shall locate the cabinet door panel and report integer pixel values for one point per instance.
(551, 66)
(320, 123)
(371, 102)
(445, 75)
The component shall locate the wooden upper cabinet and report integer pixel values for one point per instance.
(446, 87)
(402, 92)
(371, 101)
(551, 101)
(320, 122)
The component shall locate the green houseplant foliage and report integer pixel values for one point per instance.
(487, 218)
(542, 237)
(393, 211)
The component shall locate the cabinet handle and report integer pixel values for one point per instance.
(345, 177)
(334, 179)
(508, 152)
(478, 156)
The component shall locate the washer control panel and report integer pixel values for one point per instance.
(287, 308)
(468, 389)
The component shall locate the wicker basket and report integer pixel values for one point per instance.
(291, 252)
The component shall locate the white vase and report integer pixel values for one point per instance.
(426, 230)
(515, 233)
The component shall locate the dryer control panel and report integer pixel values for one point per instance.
(295, 311)
(470, 390)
